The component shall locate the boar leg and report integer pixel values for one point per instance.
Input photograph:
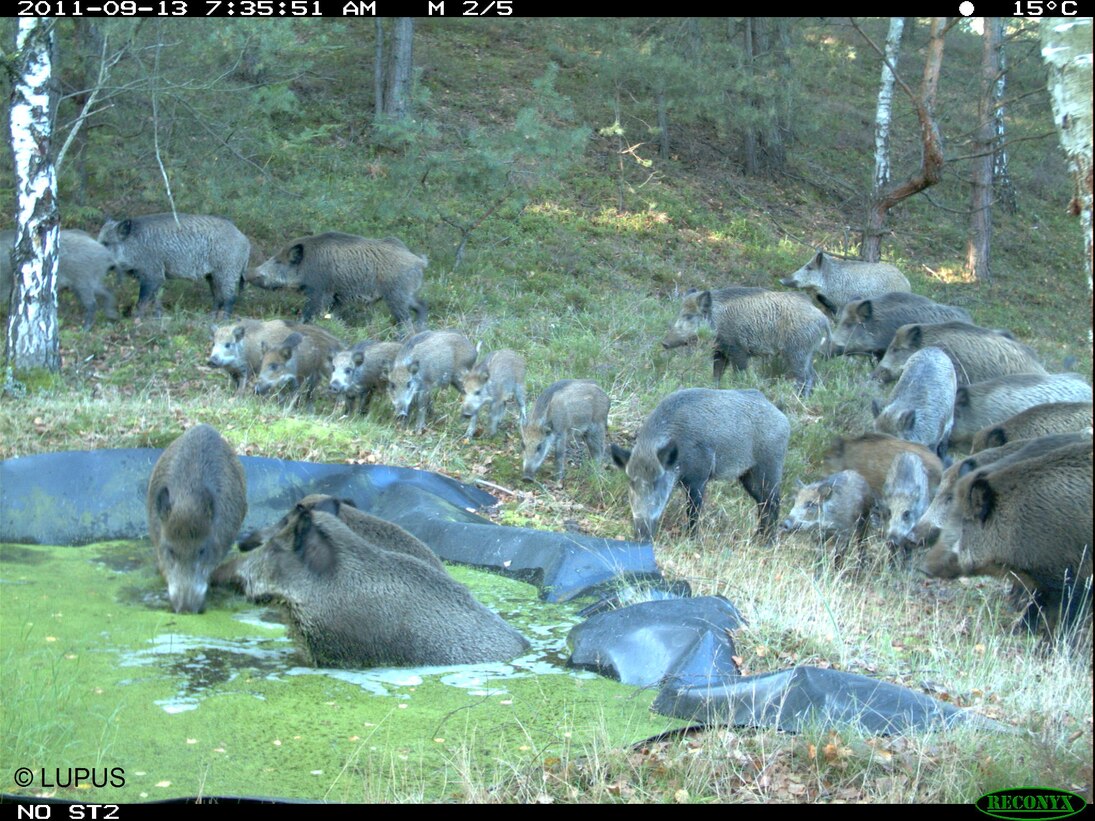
(802, 369)
(318, 303)
(497, 409)
(561, 456)
(695, 488)
(595, 441)
(766, 495)
(110, 305)
(519, 395)
(150, 293)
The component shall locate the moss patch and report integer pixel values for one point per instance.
(97, 672)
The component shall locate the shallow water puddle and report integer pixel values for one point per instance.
(98, 672)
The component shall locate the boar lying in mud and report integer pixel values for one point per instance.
(569, 409)
(751, 322)
(354, 602)
(698, 435)
(196, 501)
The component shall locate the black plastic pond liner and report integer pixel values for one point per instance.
(686, 641)
(80, 497)
(682, 644)
(811, 697)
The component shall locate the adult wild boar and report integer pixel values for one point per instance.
(977, 353)
(867, 326)
(567, 410)
(928, 527)
(1029, 520)
(752, 322)
(921, 406)
(424, 365)
(361, 371)
(82, 265)
(993, 401)
(352, 603)
(339, 269)
(872, 454)
(698, 435)
(158, 247)
(834, 509)
(237, 347)
(834, 282)
(494, 382)
(196, 501)
(1041, 420)
(297, 363)
(384, 534)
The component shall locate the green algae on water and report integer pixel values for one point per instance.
(98, 672)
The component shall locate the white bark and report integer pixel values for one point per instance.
(1001, 179)
(1067, 51)
(32, 340)
(885, 105)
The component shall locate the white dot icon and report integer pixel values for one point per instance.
(966, 8)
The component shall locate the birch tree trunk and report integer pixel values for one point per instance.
(979, 244)
(32, 340)
(872, 235)
(1066, 49)
(1001, 179)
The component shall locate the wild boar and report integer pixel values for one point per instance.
(567, 410)
(921, 406)
(158, 247)
(82, 266)
(361, 371)
(196, 502)
(905, 497)
(352, 603)
(752, 322)
(1029, 520)
(1041, 420)
(834, 509)
(928, 527)
(382, 533)
(834, 282)
(237, 347)
(977, 353)
(987, 403)
(872, 454)
(340, 269)
(297, 363)
(867, 326)
(698, 435)
(494, 382)
(426, 363)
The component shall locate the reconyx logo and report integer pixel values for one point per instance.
(1025, 803)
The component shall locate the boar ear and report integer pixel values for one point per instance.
(620, 456)
(704, 302)
(296, 254)
(163, 503)
(819, 260)
(238, 332)
(292, 340)
(915, 335)
(347, 502)
(907, 419)
(328, 505)
(967, 466)
(667, 455)
(412, 368)
(864, 310)
(124, 229)
(825, 490)
(996, 438)
(312, 545)
(876, 408)
(358, 358)
(962, 398)
(263, 347)
(982, 498)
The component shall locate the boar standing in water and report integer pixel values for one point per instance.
(197, 498)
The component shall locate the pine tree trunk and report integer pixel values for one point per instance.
(32, 340)
(872, 235)
(749, 147)
(378, 71)
(1066, 48)
(397, 96)
(979, 245)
